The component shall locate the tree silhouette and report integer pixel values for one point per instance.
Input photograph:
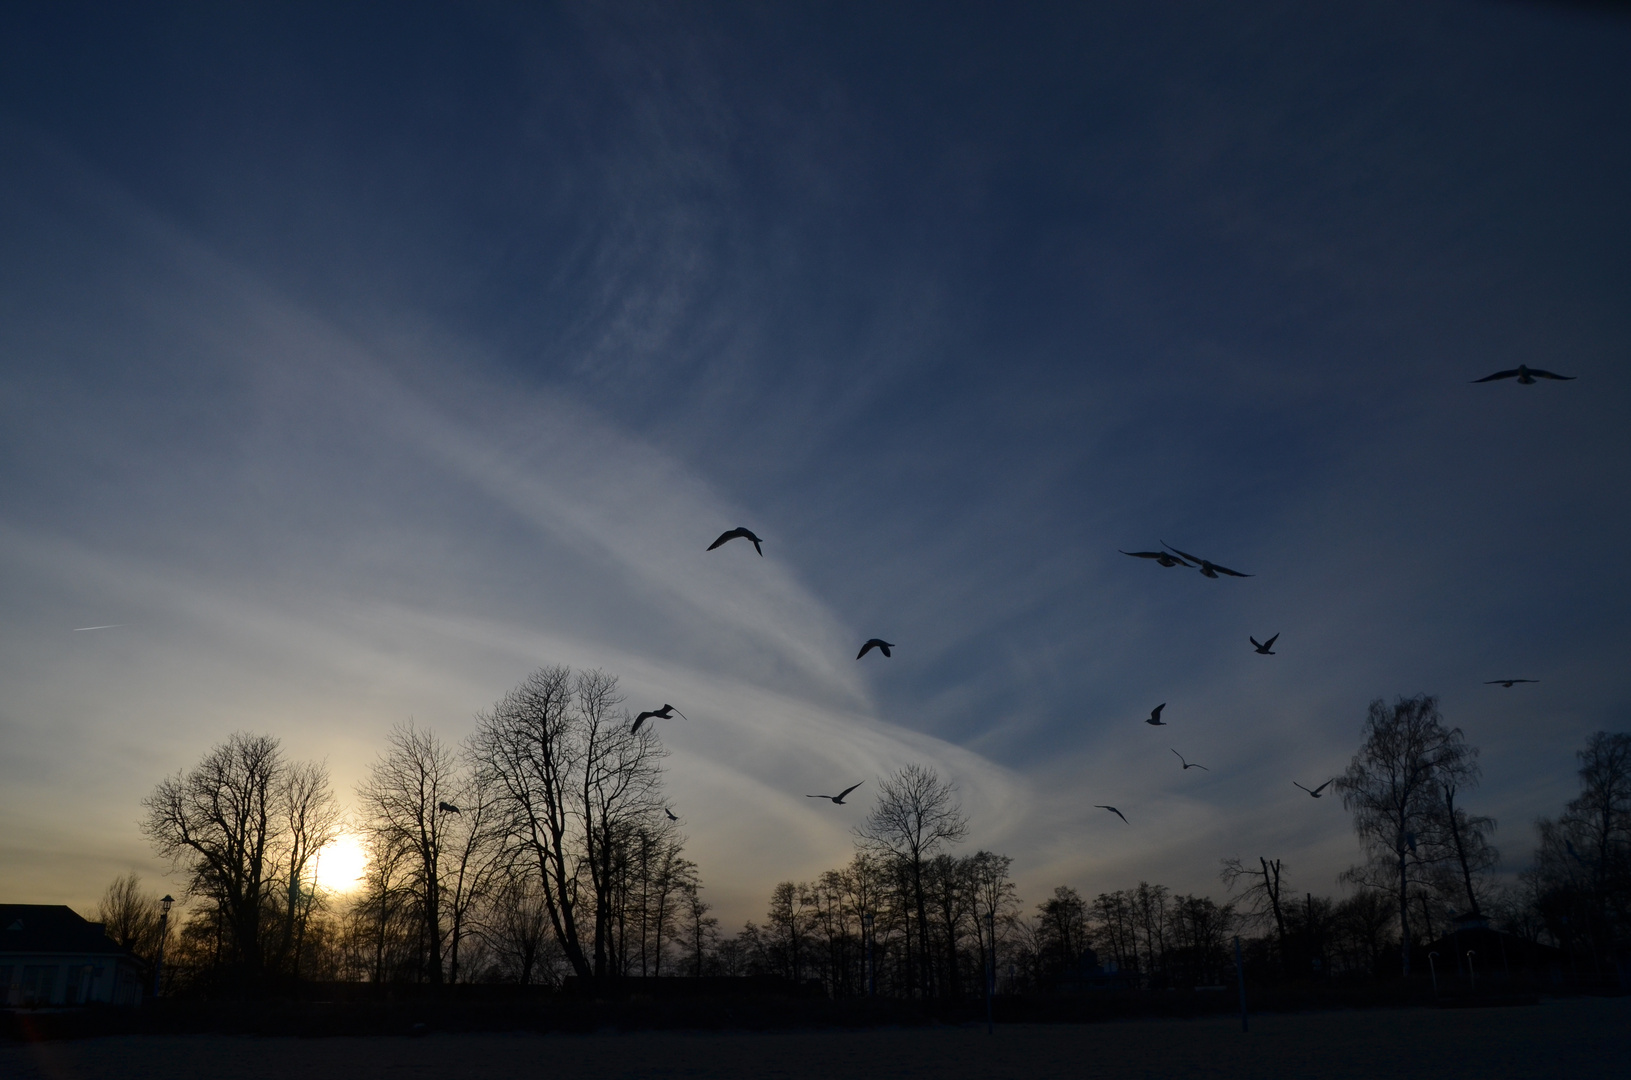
(915, 815)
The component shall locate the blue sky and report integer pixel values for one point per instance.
(358, 361)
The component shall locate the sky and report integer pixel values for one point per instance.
(357, 360)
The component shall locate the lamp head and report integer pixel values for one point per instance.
(164, 904)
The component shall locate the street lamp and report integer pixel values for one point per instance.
(164, 932)
(871, 969)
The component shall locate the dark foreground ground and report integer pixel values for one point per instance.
(1574, 1038)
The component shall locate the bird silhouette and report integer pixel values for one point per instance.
(1160, 557)
(1508, 682)
(876, 643)
(1189, 764)
(1525, 375)
(670, 814)
(739, 531)
(665, 713)
(1313, 791)
(449, 807)
(839, 798)
(1208, 568)
(1267, 647)
(1155, 716)
(1113, 810)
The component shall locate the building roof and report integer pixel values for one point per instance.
(50, 928)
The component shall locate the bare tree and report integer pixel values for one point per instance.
(311, 822)
(1462, 836)
(1390, 790)
(915, 816)
(402, 800)
(131, 917)
(220, 820)
(1261, 899)
(574, 782)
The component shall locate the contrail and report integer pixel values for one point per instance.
(110, 626)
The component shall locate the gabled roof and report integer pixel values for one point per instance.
(50, 928)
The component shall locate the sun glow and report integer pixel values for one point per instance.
(340, 866)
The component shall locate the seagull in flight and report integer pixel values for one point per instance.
(839, 798)
(739, 531)
(1313, 791)
(670, 814)
(1155, 716)
(1525, 375)
(1267, 647)
(109, 626)
(876, 643)
(447, 806)
(665, 713)
(1189, 764)
(1208, 568)
(1161, 557)
(1508, 682)
(1113, 810)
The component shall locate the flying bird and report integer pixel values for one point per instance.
(1155, 716)
(1525, 375)
(670, 814)
(839, 798)
(739, 531)
(109, 626)
(1267, 647)
(1113, 810)
(1189, 764)
(1208, 568)
(876, 643)
(1161, 557)
(665, 713)
(1313, 791)
(449, 807)
(1508, 682)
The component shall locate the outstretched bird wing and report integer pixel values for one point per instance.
(1113, 810)
(1509, 373)
(866, 648)
(1226, 570)
(730, 534)
(1321, 788)
(849, 789)
(1154, 555)
(1549, 375)
(1197, 561)
(641, 719)
(1269, 644)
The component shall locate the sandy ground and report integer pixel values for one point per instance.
(1575, 1039)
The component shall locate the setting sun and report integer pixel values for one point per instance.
(340, 866)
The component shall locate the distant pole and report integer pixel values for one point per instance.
(1240, 977)
(1433, 969)
(164, 932)
(1472, 976)
(991, 970)
(871, 968)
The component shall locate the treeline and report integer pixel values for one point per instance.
(540, 848)
(536, 848)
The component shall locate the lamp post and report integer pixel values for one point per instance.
(1433, 969)
(1472, 976)
(991, 970)
(871, 969)
(164, 932)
